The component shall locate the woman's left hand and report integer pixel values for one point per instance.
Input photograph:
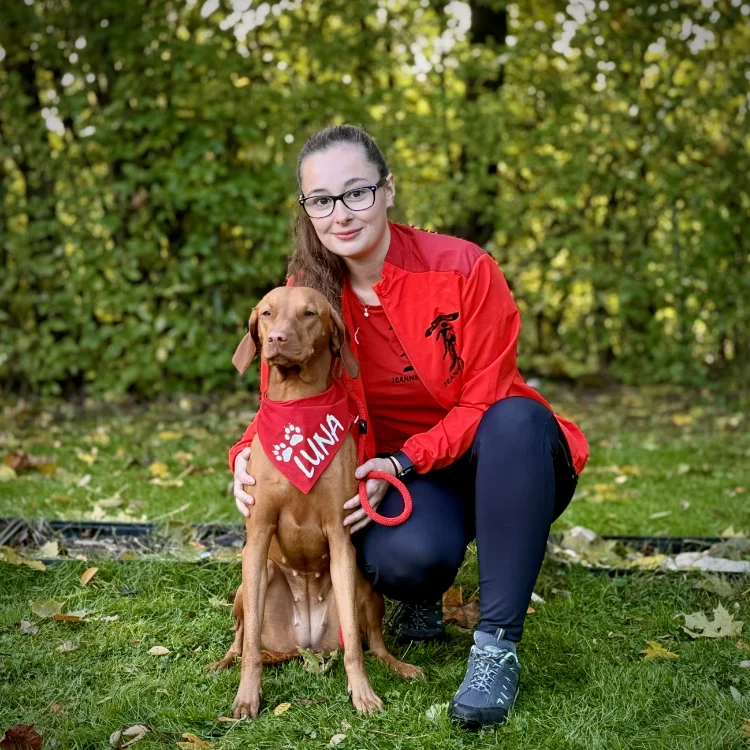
(376, 489)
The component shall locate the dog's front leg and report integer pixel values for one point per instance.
(344, 580)
(254, 585)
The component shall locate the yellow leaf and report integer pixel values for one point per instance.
(88, 575)
(159, 651)
(682, 420)
(7, 474)
(46, 609)
(67, 646)
(86, 457)
(746, 729)
(655, 650)
(722, 626)
(281, 708)
(170, 435)
(48, 550)
(194, 742)
(159, 469)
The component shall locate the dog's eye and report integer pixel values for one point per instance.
(309, 313)
(266, 312)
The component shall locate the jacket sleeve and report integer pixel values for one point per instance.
(489, 349)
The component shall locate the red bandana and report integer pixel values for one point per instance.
(296, 435)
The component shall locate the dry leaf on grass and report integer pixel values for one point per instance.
(281, 708)
(170, 435)
(28, 628)
(337, 739)
(194, 742)
(7, 474)
(88, 575)
(465, 614)
(746, 729)
(722, 626)
(21, 737)
(129, 736)
(736, 694)
(159, 469)
(315, 662)
(158, 651)
(21, 461)
(67, 646)
(654, 650)
(276, 657)
(46, 609)
(10, 556)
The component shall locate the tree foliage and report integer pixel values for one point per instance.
(147, 153)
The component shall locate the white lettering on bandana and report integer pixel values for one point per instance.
(302, 436)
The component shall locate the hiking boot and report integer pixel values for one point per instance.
(419, 622)
(490, 687)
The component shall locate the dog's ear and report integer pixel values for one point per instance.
(339, 345)
(245, 352)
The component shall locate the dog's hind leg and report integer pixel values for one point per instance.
(235, 650)
(372, 610)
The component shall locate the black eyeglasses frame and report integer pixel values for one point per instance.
(382, 181)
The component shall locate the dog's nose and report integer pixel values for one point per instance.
(277, 337)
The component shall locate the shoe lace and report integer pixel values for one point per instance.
(486, 667)
(413, 615)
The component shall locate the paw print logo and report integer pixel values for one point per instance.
(282, 452)
(291, 435)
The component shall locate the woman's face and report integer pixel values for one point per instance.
(347, 233)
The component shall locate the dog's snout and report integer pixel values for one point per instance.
(277, 337)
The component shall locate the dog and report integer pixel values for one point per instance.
(300, 583)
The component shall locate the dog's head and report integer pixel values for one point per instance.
(292, 326)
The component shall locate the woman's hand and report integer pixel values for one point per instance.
(376, 489)
(242, 500)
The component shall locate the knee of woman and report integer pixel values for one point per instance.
(514, 417)
(417, 570)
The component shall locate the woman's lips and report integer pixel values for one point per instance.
(347, 235)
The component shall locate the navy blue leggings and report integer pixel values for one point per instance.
(505, 492)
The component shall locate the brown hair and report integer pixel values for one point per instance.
(311, 263)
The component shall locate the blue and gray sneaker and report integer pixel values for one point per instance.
(490, 687)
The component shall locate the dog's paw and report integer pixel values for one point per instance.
(292, 434)
(282, 452)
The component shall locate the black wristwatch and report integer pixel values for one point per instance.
(407, 467)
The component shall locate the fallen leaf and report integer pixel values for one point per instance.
(10, 556)
(722, 626)
(46, 609)
(55, 708)
(228, 718)
(621, 479)
(465, 614)
(137, 732)
(682, 420)
(660, 514)
(159, 469)
(88, 575)
(21, 461)
(736, 694)
(194, 742)
(530, 611)
(7, 475)
(746, 729)
(86, 457)
(716, 585)
(337, 739)
(281, 708)
(28, 628)
(745, 664)
(48, 550)
(158, 651)
(315, 662)
(67, 646)
(21, 737)
(654, 650)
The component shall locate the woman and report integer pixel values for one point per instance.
(435, 330)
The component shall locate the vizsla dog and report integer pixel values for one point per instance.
(300, 581)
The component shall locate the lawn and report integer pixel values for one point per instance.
(662, 463)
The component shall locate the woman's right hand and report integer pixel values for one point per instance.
(242, 500)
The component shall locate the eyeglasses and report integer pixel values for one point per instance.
(357, 199)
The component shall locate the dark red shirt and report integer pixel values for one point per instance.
(398, 403)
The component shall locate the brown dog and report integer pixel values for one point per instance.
(300, 580)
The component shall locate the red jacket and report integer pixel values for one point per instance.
(450, 306)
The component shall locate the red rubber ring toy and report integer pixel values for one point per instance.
(372, 513)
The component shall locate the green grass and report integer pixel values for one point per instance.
(584, 683)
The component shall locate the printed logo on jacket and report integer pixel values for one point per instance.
(302, 436)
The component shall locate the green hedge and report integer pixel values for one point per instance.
(148, 152)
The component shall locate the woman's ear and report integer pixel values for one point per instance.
(245, 352)
(339, 345)
(390, 192)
